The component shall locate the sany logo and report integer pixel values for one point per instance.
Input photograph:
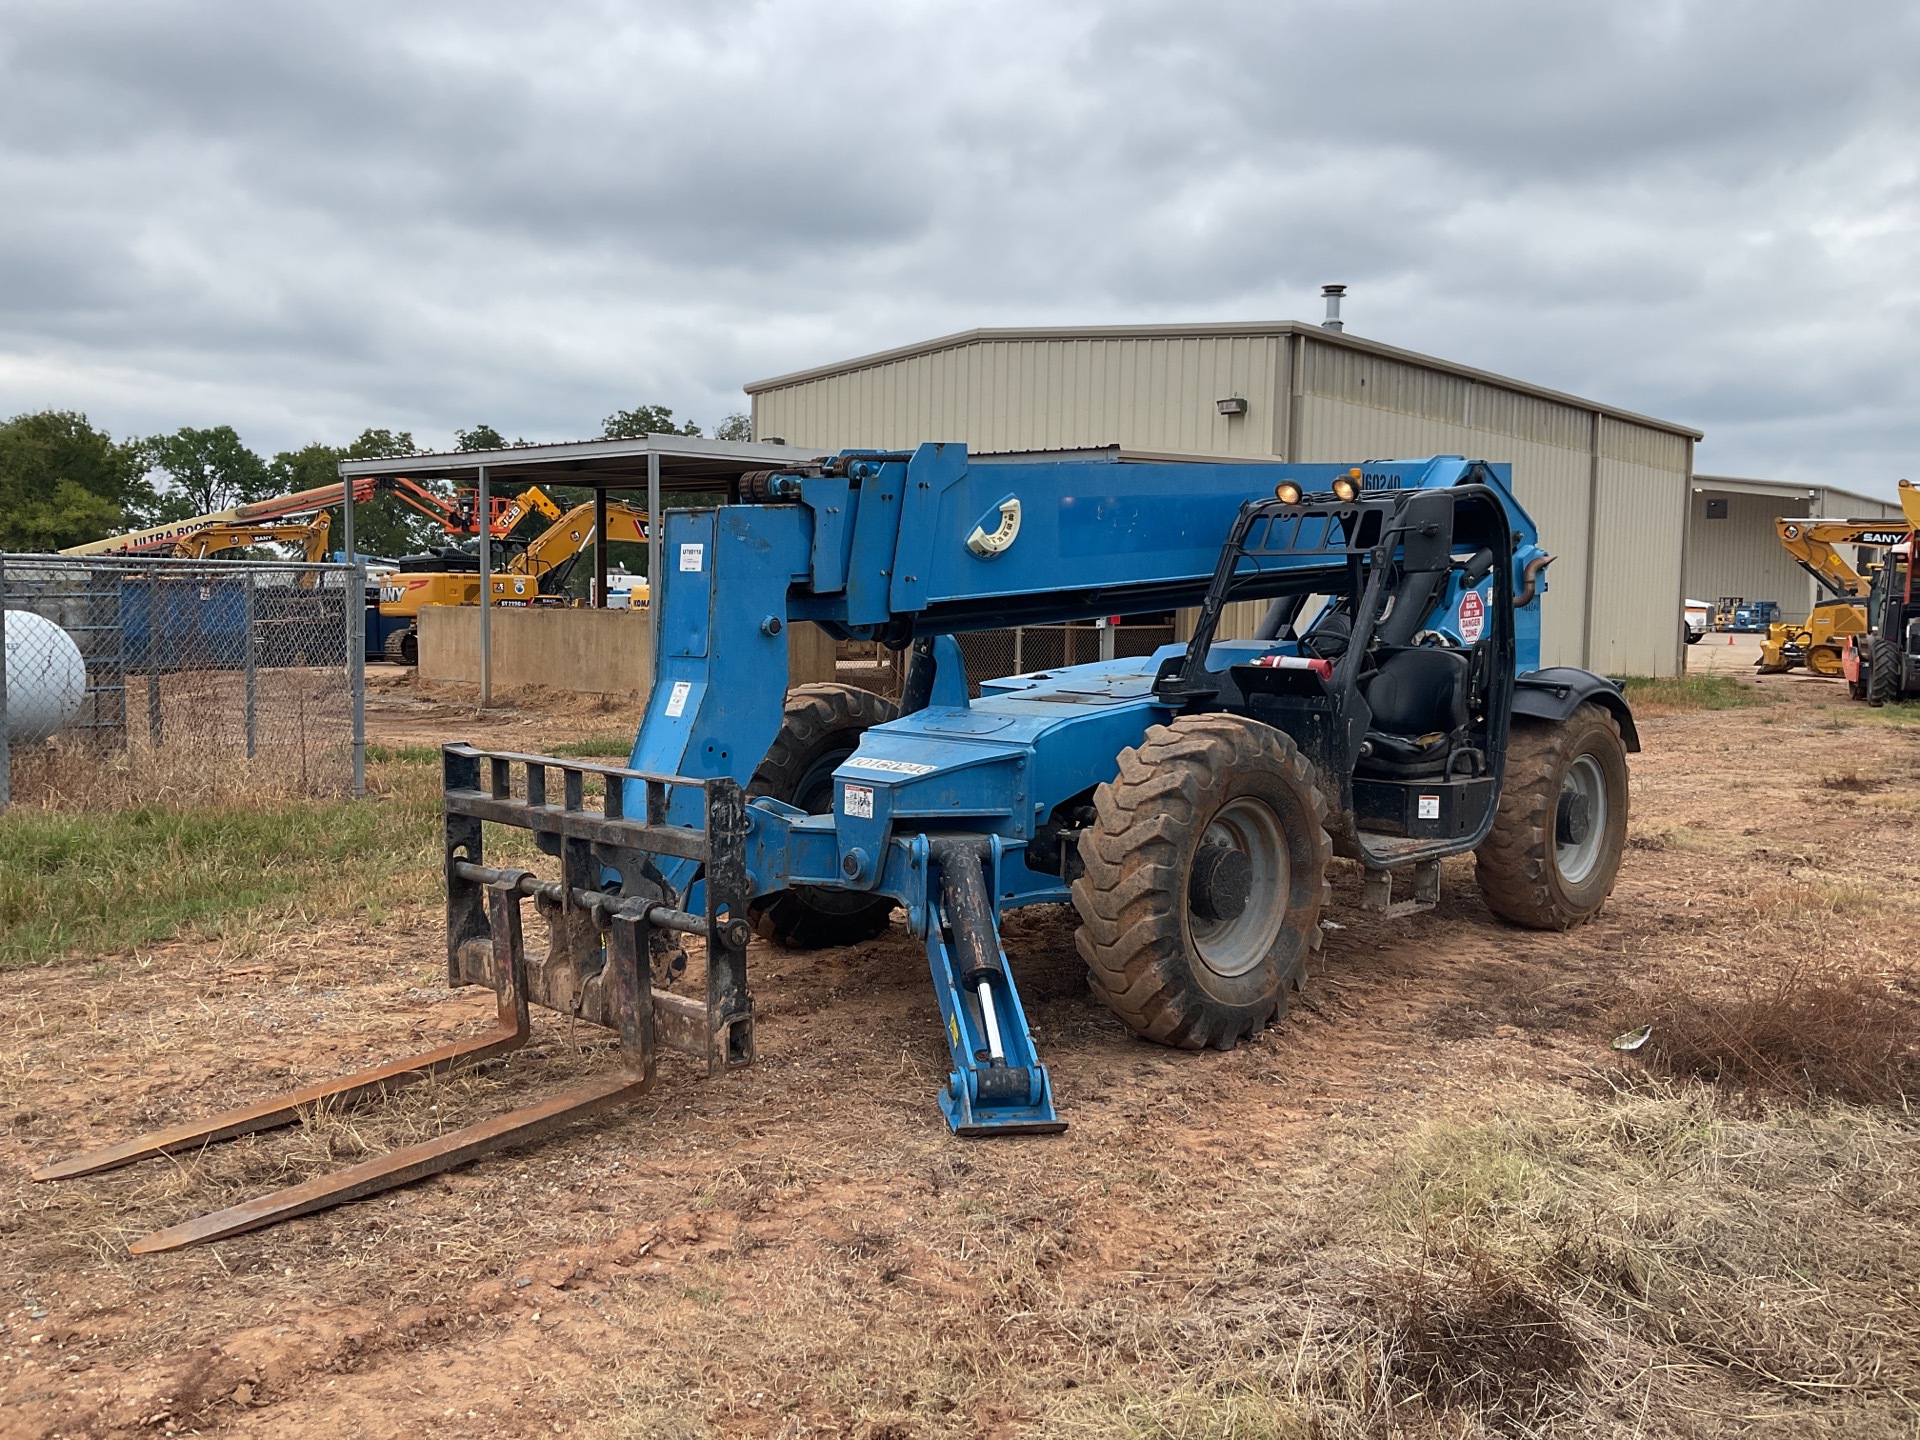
(1473, 617)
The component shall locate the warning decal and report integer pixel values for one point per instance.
(1473, 617)
(857, 802)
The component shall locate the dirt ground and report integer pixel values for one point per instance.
(802, 1249)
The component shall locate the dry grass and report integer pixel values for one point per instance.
(1680, 694)
(1800, 1033)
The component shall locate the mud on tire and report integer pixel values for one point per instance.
(822, 726)
(1552, 857)
(1160, 946)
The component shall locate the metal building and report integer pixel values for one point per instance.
(1608, 487)
(1733, 548)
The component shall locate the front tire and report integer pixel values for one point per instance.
(1883, 672)
(1553, 854)
(821, 728)
(1205, 872)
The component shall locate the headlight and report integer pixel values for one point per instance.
(1347, 487)
(1287, 493)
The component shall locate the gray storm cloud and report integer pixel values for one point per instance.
(305, 219)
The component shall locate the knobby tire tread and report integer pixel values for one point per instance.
(1131, 895)
(1511, 864)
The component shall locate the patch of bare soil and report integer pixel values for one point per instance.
(1220, 1243)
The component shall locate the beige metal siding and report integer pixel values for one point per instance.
(1741, 554)
(1158, 392)
(1145, 394)
(1639, 520)
(1364, 406)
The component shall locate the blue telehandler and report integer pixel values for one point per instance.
(1389, 708)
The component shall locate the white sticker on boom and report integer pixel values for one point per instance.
(892, 767)
(692, 558)
(677, 699)
(1429, 807)
(857, 801)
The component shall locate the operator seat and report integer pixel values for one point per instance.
(1418, 697)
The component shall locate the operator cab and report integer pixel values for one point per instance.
(1389, 662)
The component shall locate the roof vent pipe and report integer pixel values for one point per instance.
(1332, 294)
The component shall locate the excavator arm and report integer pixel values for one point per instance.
(1814, 545)
(550, 554)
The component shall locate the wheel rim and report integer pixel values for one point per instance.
(1584, 783)
(1231, 948)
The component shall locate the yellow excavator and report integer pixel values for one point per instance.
(310, 535)
(534, 575)
(1820, 643)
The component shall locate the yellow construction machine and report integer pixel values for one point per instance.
(533, 575)
(310, 535)
(1820, 643)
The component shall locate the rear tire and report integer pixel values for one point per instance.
(1553, 854)
(1189, 945)
(822, 727)
(1883, 672)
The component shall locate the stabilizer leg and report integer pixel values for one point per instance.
(998, 1085)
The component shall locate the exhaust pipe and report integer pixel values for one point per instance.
(1332, 293)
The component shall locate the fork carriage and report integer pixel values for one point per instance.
(602, 948)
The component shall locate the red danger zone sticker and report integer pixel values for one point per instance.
(1473, 617)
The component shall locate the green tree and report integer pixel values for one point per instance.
(62, 482)
(383, 525)
(644, 420)
(383, 445)
(735, 427)
(207, 470)
(484, 437)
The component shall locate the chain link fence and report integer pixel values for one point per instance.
(996, 654)
(135, 679)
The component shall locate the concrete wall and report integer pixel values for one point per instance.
(592, 652)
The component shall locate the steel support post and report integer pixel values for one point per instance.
(356, 579)
(600, 549)
(6, 752)
(485, 519)
(252, 667)
(656, 582)
(1109, 633)
(153, 687)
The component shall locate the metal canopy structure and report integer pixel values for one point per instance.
(657, 464)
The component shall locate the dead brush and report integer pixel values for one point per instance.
(1474, 1337)
(1806, 1033)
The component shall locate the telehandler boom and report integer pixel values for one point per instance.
(1390, 709)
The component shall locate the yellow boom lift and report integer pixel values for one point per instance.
(1820, 643)
(531, 576)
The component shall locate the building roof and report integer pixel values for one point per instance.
(1229, 330)
(1785, 489)
(686, 462)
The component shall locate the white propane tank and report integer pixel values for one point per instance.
(46, 678)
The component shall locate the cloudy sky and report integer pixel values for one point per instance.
(304, 219)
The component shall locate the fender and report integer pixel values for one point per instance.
(1554, 693)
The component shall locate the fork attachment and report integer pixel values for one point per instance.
(598, 969)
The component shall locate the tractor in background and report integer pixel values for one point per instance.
(1882, 662)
